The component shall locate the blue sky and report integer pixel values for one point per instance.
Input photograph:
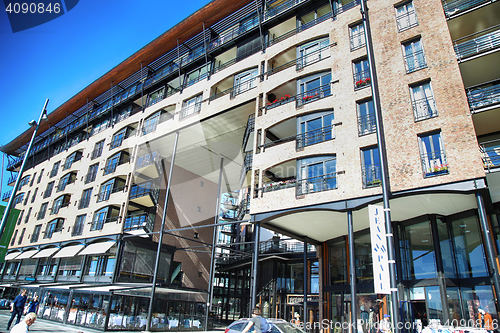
(59, 58)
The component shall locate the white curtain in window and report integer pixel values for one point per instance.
(424, 104)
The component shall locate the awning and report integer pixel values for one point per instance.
(109, 287)
(46, 252)
(12, 255)
(27, 254)
(97, 248)
(69, 251)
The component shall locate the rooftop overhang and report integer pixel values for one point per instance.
(323, 222)
(183, 31)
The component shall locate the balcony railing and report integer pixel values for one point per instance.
(276, 186)
(84, 203)
(407, 20)
(90, 177)
(189, 110)
(317, 184)
(249, 129)
(12, 179)
(273, 11)
(362, 79)
(484, 95)
(233, 61)
(237, 89)
(424, 108)
(139, 221)
(117, 142)
(280, 245)
(145, 188)
(228, 36)
(16, 161)
(305, 60)
(366, 124)
(99, 224)
(357, 40)
(434, 163)
(55, 210)
(110, 168)
(457, 6)
(490, 151)
(372, 175)
(147, 159)
(315, 136)
(313, 95)
(415, 61)
(478, 42)
(6, 196)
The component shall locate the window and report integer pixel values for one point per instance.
(21, 236)
(248, 48)
(151, 122)
(118, 138)
(156, 96)
(406, 16)
(102, 265)
(361, 71)
(26, 219)
(20, 218)
(62, 201)
(26, 198)
(79, 225)
(197, 75)
(433, 156)
(97, 152)
(317, 174)
(357, 35)
(74, 157)
(366, 118)
(34, 195)
(32, 179)
(25, 180)
(105, 190)
(309, 19)
(85, 200)
(424, 105)
(314, 128)
(67, 179)
(18, 198)
(48, 190)
(40, 176)
(312, 52)
(104, 215)
(191, 106)
(92, 173)
(43, 210)
(55, 169)
(47, 266)
(414, 55)
(114, 161)
(13, 240)
(71, 266)
(36, 233)
(313, 87)
(370, 161)
(244, 81)
(52, 227)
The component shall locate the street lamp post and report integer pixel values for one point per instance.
(43, 116)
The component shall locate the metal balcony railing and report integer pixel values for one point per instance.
(372, 175)
(313, 95)
(281, 101)
(231, 34)
(237, 89)
(139, 221)
(317, 184)
(490, 153)
(147, 159)
(362, 79)
(145, 188)
(407, 20)
(99, 224)
(12, 179)
(249, 129)
(104, 195)
(281, 245)
(478, 42)
(110, 168)
(484, 95)
(457, 6)
(415, 61)
(77, 229)
(357, 40)
(189, 110)
(16, 161)
(305, 60)
(424, 108)
(367, 124)
(233, 61)
(434, 163)
(117, 142)
(315, 136)
(276, 186)
(273, 11)
(6, 195)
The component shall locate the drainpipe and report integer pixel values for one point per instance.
(352, 271)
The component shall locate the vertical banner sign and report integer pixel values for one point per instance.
(381, 278)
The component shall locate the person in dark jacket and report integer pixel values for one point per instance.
(33, 307)
(17, 308)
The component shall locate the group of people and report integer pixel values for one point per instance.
(18, 308)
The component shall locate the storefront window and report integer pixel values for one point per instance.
(363, 257)
(338, 262)
(434, 304)
(454, 304)
(446, 245)
(28, 267)
(471, 261)
(71, 266)
(419, 260)
(478, 297)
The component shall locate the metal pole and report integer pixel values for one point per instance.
(489, 245)
(214, 240)
(352, 271)
(304, 319)
(383, 167)
(255, 264)
(160, 237)
(20, 174)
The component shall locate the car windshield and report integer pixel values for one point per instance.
(288, 328)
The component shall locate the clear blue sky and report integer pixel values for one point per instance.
(61, 57)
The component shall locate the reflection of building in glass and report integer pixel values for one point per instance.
(263, 118)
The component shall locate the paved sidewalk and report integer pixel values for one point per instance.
(42, 325)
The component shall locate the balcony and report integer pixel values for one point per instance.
(189, 110)
(221, 61)
(104, 195)
(372, 175)
(490, 152)
(110, 168)
(147, 159)
(305, 60)
(12, 180)
(454, 7)
(316, 184)
(315, 136)
(231, 34)
(362, 79)
(6, 196)
(434, 163)
(477, 43)
(139, 221)
(484, 95)
(237, 89)
(14, 163)
(145, 194)
(272, 11)
(367, 124)
(282, 245)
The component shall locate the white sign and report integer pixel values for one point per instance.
(381, 278)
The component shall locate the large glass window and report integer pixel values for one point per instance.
(197, 75)
(102, 265)
(314, 128)
(432, 154)
(317, 174)
(67, 179)
(28, 267)
(92, 173)
(475, 298)
(156, 96)
(47, 266)
(138, 264)
(62, 201)
(97, 152)
(309, 19)
(363, 257)
(417, 251)
(357, 36)
(118, 138)
(446, 246)
(312, 52)
(366, 117)
(74, 157)
(414, 55)
(244, 81)
(370, 161)
(424, 104)
(105, 190)
(114, 161)
(191, 106)
(406, 16)
(85, 200)
(313, 87)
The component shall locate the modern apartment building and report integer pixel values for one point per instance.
(255, 114)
